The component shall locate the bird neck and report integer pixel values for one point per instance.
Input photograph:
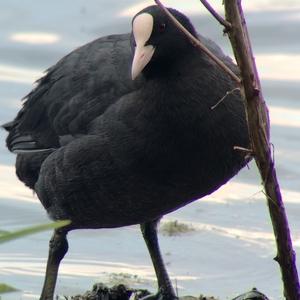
(171, 65)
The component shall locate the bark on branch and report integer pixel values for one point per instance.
(258, 123)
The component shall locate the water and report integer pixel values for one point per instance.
(232, 249)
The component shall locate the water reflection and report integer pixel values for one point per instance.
(19, 75)
(282, 116)
(195, 7)
(35, 37)
(279, 66)
(11, 188)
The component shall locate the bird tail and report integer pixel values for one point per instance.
(30, 155)
(22, 143)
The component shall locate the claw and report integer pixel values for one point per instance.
(161, 295)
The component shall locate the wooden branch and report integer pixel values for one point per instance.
(219, 18)
(197, 43)
(258, 123)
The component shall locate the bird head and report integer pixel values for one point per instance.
(156, 41)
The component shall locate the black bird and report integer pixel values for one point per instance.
(104, 151)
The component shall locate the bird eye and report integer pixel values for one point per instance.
(162, 27)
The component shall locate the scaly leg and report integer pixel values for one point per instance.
(166, 291)
(58, 247)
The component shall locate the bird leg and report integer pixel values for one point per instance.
(166, 291)
(58, 247)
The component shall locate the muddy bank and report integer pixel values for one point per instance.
(121, 292)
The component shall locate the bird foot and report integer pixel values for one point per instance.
(161, 295)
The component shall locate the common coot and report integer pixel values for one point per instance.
(104, 150)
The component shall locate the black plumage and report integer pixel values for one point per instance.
(104, 150)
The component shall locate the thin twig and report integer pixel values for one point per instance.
(249, 153)
(197, 43)
(218, 17)
(242, 149)
(222, 99)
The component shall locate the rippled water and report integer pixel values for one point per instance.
(232, 249)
